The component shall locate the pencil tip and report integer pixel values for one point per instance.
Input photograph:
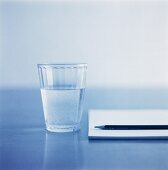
(99, 127)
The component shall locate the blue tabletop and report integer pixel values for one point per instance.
(25, 144)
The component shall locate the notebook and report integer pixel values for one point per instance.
(127, 117)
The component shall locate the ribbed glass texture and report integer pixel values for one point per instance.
(62, 76)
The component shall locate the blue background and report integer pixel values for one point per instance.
(124, 42)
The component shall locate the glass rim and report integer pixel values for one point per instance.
(62, 65)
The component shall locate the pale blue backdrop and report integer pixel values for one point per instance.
(125, 43)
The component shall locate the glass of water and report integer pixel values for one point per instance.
(62, 91)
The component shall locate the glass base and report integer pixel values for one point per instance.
(63, 128)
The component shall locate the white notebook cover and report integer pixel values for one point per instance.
(127, 117)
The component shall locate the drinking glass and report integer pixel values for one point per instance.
(62, 92)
